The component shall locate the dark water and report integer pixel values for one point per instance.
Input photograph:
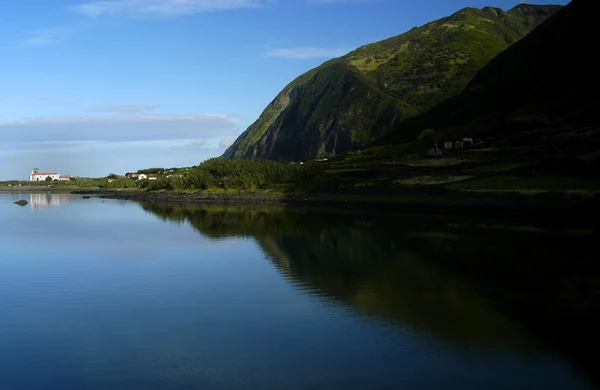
(106, 294)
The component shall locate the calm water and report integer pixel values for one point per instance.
(106, 294)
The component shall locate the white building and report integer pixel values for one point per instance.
(36, 175)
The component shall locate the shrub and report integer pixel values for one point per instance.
(237, 174)
(426, 135)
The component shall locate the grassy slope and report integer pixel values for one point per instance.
(351, 101)
(537, 100)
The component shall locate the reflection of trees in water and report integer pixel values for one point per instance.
(379, 275)
(425, 273)
(380, 266)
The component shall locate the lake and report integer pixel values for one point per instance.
(109, 294)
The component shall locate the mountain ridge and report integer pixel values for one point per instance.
(546, 80)
(350, 101)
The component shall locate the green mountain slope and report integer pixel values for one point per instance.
(540, 89)
(353, 100)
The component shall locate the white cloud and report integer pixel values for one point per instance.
(160, 7)
(113, 128)
(44, 37)
(299, 53)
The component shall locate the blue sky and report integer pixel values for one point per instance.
(92, 87)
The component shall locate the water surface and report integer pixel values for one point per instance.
(107, 294)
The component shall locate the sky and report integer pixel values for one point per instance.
(92, 87)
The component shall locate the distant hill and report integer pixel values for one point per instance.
(542, 90)
(351, 101)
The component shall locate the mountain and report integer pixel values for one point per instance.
(351, 101)
(542, 88)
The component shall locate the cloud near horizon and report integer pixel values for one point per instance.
(122, 127)
(95, 145)
(159, 7)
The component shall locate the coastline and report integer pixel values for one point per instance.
(537, 205)
(559, 206)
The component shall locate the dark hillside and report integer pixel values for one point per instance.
(547, 80)
(351, 101)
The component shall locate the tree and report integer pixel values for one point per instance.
(143, 183)
(122, 183)
(48, 178)
(426, 135)
(113, 176)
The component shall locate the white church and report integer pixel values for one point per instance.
(36, 175)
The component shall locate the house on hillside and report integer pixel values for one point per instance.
(112, 179)
(142, 176)
(459, 144)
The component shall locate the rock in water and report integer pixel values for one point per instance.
(22, 202)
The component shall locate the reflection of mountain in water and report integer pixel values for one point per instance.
(38, 200)
(399, 268)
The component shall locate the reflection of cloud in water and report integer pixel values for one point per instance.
(38, 200)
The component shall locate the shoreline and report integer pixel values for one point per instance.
(558, 206)
(546, 206)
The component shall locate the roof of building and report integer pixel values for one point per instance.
(44, 173)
